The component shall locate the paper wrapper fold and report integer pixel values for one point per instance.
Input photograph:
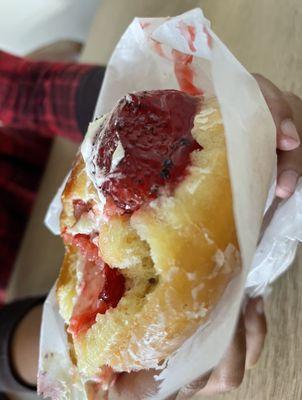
(146, 58)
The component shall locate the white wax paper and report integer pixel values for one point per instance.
(277, 248)
(58, 379)
(137, 64)
(52, 217)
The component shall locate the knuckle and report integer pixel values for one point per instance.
(278, 104)
(185, 393)
(257, 76)
(196, 385)
(229, 383)
(292, 96)
(192, 388)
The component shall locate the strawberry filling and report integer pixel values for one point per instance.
(80, 207)
(101, 287)
(154, 129)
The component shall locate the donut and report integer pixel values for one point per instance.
(149, 232)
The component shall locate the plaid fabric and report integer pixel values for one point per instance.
(40, 95)
(23, 154)
(37, 101)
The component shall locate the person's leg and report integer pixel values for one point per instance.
(19, 344)
(25, 346)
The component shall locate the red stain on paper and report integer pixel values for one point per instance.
(184, 72)
(145, 25)
(158, 47)
(209, 38)
(189, 33)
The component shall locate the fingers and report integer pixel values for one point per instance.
(227, 376)
(289, 138)
(229, 373)
(287, 132)
(289, 171)
(286, 110)
(243, 352)
(255, 327)
(290, 163)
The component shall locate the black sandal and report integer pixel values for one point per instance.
(10, 316)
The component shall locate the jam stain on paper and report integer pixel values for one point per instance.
(189, 33)
(184, 72)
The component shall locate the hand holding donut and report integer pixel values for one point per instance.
(249, 337)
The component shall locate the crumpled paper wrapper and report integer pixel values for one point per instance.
(144, 59)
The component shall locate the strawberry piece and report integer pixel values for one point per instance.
(101, 287)
(88, 304)
(113, 288)
(154, 129)
(84, 243)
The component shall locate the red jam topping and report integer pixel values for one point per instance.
(154, 129)
(101, 287)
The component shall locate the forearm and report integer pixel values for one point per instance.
(51, 98)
